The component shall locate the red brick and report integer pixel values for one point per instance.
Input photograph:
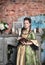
(12, 11)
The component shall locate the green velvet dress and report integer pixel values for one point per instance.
(26, 55)
(30, 55)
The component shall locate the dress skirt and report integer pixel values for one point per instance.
(27, 56)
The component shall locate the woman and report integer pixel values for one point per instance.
(27, 48)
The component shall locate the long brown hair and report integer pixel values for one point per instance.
(29, 19)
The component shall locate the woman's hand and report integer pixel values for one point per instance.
(26, 43)
(29, 43)
(19, 38)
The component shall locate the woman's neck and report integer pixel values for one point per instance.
(28, 29)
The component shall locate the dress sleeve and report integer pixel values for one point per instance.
(33, 35)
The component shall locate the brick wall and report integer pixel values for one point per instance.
(10, 11)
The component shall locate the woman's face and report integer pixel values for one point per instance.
(26, 24)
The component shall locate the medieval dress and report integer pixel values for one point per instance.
(26, 53)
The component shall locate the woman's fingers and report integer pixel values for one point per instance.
(26, 43)
(23, 42)
(29, 42)
(18, 38)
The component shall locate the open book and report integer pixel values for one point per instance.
(34, 44)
